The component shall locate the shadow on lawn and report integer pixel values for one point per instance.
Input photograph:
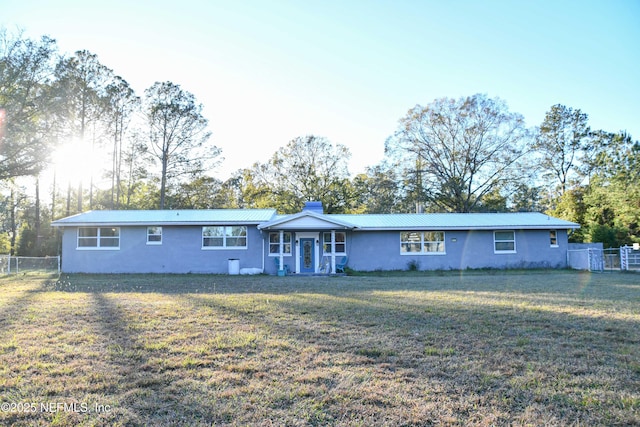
(12, 310)
(415, 348)
(507, 362)
(145, 388)
(554, 285)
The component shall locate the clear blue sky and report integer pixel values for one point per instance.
(268, 71)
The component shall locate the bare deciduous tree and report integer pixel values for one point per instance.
(459, 150)
(307, 168)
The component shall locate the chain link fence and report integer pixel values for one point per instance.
(23, 264)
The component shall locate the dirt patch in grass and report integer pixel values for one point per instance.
(455, 349)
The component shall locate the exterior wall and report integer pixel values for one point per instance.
(380, 250)
(180, 252)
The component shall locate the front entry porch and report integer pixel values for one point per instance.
(309, 243)
(308, 252)
(320, 253)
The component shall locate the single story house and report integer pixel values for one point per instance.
(309, 242)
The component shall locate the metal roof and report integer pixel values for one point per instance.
(455, 221)
(267, 218)
(168, 217)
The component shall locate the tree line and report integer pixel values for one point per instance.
(154, 151)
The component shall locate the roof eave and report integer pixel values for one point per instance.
(462, 228)
(150, 223)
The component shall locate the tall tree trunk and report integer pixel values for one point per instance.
(163, 181)
(69, 198)
(37, 226)
(12, 219)
(82, 141)
(119, 170)
(114, 165)
(93, 153)
(91, 193)
(79, 207)
(165, 163)
(53, 197)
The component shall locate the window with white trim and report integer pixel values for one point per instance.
(504, 241)
(422, 242)
(154, 235)
(98, 238)
(224, 237)
(433, 241)
(274, 244)
(553, 238)
(340, 243)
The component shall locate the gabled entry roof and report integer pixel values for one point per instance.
(306, 220)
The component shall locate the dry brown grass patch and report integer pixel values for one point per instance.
(526, 348)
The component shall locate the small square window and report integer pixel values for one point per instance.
(504, 241)
(274, 243)
(154, 235)
(339, 245)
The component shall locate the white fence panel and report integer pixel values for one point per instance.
(585, 256)
(596, 260)
(629, 258)
(591, 259)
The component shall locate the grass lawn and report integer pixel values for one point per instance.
(493, 348)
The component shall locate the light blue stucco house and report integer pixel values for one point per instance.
(309, 242)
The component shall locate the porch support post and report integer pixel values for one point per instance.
(281, 250)
(333, 251)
